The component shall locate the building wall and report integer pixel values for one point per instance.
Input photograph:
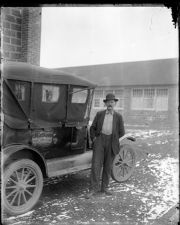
(21, 34)
(146, 118)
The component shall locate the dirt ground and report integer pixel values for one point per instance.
(146, 196)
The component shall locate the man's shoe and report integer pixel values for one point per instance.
(107, 192)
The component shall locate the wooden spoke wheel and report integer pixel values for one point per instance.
(123, 163)
(22, 186)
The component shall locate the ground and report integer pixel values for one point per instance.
(143, 199)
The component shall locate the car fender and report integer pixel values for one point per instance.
(11, 149)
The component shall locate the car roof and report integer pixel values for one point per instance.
(27, 72)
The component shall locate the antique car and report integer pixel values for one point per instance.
(45, 116)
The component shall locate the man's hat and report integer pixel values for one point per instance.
(110, 97)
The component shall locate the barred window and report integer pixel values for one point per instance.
(137, 92)
(98, 99)
(162, 100)
(98, 93)
(149, 93)
(119, 93)
(150, 99)
(96, 103)
(162, 92)
(137, 99)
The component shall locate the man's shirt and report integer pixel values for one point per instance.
(108, 123)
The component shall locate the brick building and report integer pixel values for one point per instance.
(21, 34)
(147, 90)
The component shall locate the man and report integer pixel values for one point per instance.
(106, 129)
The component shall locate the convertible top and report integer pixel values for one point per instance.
(27, 72)
(43, 106)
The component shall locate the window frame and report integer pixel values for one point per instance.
(119, 98)
(142, 98)
(167, 99)
(149, 98)
(42, 93)
(104, 92)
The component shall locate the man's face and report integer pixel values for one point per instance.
(110, 104)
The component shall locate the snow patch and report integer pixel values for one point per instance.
(63, 215)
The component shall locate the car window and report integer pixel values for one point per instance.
(79, 95)
(20, 91)
(50, 93)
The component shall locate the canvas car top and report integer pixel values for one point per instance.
(51, 103)
(27, 72)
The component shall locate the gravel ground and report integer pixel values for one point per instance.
(148, 194)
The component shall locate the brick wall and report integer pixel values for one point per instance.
(21, 34)
(31, 35)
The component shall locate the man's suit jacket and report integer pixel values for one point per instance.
(117, 130)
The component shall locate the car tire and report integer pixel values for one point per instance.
(124, 163)
(22, 186)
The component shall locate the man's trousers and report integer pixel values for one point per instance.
(101, 162)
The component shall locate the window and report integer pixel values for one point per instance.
(98, 99)
(97, 102)
(100, 95)
(20, 91)
(162, 100)
(137, 99)
(150, 99)
(50, 93)
(119, 94)
(79, 95)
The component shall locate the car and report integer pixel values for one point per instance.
(45, 132)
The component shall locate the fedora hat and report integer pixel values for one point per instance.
(110, 97)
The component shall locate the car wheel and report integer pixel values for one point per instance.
(124, 163)
(22, 186)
